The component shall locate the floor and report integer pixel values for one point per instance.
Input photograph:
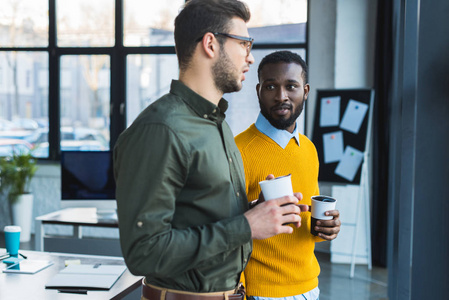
(335, 283)
(334, 279)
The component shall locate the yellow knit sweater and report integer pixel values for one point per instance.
(283, 265)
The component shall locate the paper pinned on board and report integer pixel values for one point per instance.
(353, 117)
(333, 146)
(330, 111)
(349, 163)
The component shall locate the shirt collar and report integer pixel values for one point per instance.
(281, 137)
(201, 106)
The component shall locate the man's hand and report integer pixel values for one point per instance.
(272, 217)
(329, 229)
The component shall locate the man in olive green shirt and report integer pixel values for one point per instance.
(183, 214)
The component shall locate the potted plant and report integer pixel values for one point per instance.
(16, 172)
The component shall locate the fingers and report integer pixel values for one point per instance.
(298, 195)
(329, 229)
(303, 207)
(271, 217)
(269, 177)
(334, 213)
(285, 200)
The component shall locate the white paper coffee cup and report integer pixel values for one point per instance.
(277, 187)
(321, 204)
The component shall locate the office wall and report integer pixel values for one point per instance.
(341, 47)
(340, 54)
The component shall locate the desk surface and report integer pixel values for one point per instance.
(32, 286)
(79, 216)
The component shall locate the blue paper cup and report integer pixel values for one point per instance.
(12, 239)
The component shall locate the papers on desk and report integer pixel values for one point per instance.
(28, 266)
(90, 277)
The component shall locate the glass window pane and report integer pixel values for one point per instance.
(24, 23)
(150, 23)
(23, 99)
(148, 78)
(85, 23)
(279, 22)
(85, 102)
(244, 105)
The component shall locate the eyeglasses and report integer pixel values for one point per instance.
(248, 40)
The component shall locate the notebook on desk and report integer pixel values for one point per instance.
(89, 277)
(27, 266)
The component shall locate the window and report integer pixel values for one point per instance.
(150, 23)
(74, 74)
(24, 23)
(85, 23)
(148, 78)
(23, 103)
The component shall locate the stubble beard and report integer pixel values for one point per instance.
(224, 77)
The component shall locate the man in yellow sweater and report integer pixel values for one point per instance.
(283, 266)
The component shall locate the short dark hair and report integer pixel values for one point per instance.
(201, 16)
(284, 57)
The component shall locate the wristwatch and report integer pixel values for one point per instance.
(253, 203)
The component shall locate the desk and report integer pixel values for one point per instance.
(25, 286)
(77, 217)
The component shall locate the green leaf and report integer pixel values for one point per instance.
(16, 172)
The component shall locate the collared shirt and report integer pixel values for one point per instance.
(181, 195)
(281, 137)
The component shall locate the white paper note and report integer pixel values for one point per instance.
(330, 111)
(333, 146)
(349, 163)
(353, 117)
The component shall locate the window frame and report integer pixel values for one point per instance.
(118, 56)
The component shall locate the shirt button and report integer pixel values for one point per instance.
(245, 260)
(238, 194)
(140, 224)
(214, 111)
(205, 116)
(230, 160)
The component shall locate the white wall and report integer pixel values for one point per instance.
(340, 54)
(341, 47)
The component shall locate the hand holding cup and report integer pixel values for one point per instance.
(324, 217)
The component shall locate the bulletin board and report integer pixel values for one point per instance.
(341, 133)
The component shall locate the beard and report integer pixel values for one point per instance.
(282, 123)
(224, 75)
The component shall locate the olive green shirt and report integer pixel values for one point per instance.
(181, 195)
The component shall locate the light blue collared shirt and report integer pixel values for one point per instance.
(281, 137)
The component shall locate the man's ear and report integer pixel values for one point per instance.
(209, 44)
(306, 91)
(257, 90)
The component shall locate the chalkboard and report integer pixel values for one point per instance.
(341, 132)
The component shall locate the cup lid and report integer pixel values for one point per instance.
(13, 228)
